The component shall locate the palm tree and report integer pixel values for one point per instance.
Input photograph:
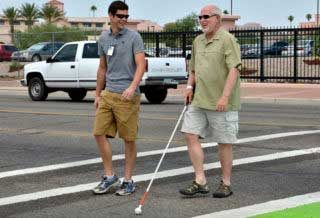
(12, 15)
(30, 12)
(308, 16)
(290, 18)
(93, 8)
(50, 13)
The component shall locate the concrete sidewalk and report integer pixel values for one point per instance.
(308, 94)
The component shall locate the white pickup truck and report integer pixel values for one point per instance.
(73, 69)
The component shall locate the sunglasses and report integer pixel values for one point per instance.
(121, 16)
(206, 16)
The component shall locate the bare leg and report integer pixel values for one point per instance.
(130, 158)
(226, 158)
(196, 157)
(106, 154)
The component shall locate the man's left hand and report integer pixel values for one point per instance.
(222, 104)
(128, 93)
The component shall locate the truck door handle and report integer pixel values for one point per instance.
(72, 66)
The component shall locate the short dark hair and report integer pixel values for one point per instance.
(117, 5)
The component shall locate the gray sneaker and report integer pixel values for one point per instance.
(223, 191)
(107, 186)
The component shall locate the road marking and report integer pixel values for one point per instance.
(146, 177)
(144, 154)
(266, 207)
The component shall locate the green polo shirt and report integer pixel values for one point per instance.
(212, 60)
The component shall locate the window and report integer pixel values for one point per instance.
(99, 25)
(90, 50)
(67, 53)
(74, 24)
(16, 22)
(1, 22)
(86, 24)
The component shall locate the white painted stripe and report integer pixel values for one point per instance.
(144, 154)
(145, 177)
(266, 207)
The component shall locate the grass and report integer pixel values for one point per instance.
(304, 211)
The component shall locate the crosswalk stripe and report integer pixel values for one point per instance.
(146, 177)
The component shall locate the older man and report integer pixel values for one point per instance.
(214, 71)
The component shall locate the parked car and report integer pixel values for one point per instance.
(304, 48)
(37, 52)
(6, 51)
(254, 50)
(276, 48)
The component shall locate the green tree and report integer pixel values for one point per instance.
(225, 12)
(12, 14)
(308, 16)
(290, 18)
(50, 32)
(93, 8)
(188, 23)
(30, 12)
(50, 13)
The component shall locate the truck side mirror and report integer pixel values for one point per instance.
(49, 60)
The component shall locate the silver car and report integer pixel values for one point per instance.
(37, 52)
(304, 48)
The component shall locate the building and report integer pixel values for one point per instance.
(311, 23)
(57, 4)
(19, 25)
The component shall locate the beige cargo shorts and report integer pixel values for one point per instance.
(223, 127)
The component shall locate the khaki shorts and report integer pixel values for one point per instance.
(222, 126)
(116, 115)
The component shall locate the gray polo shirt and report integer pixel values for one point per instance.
(121, 64)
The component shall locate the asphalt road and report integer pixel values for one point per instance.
(57, 131)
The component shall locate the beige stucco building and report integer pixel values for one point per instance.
(94, 23)
(311, 23)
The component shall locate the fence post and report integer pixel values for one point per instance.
(184, 44)
(295, 56)
(157, 44)
(261, 56)
(52, 38)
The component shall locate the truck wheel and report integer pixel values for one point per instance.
(156, 95)
(37, 89)
(36, 58)
(77, 94)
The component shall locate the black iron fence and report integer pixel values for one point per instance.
(268, 55)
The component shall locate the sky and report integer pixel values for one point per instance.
(269, 13)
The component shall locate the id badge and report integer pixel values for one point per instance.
(110, 51)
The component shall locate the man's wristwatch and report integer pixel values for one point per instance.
(189, 87)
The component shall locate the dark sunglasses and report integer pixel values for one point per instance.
(206, 16)
(121, 16)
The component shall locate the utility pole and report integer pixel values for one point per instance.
(232, 7)
(317, 15)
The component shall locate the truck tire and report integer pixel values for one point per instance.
(77, 94)
(37, 89)
(156, 95)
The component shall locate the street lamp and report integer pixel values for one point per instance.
(232, 6)
(317, 15)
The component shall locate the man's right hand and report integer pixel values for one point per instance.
(188, 95)
(96, 101)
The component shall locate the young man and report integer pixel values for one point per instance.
(215, 103)
(122, 64)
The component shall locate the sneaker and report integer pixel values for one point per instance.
(195, 188)
(126, 188)
(107, 186)
(223, 191)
